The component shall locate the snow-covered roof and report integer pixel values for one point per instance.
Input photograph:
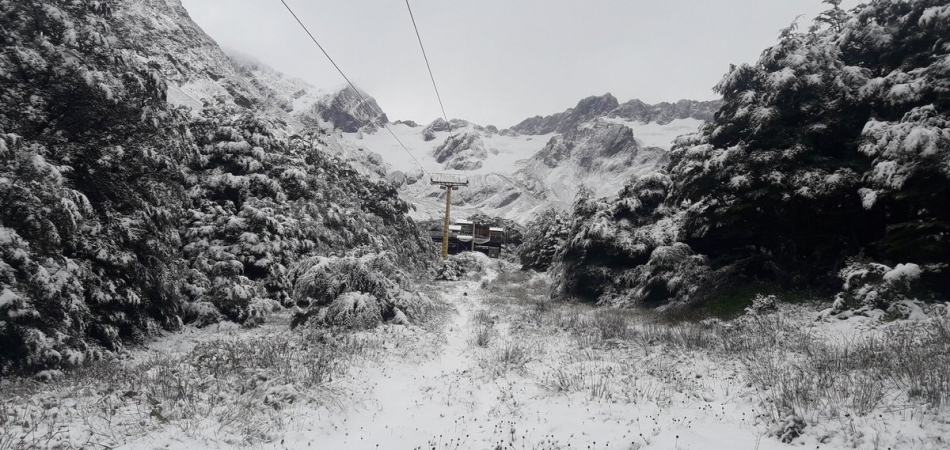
(495, 229)
(464, 222)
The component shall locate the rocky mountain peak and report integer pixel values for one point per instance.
(663, 113)
(441, 125)
(607, 106)
(348, 111)
(589, 144)
(595, 106)
(463, 151)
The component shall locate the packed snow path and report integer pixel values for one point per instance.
(461, 396)
(502, 366)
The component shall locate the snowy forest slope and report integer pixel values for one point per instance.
(123, 214)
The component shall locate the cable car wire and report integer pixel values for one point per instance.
(360, 94)
(426, 57)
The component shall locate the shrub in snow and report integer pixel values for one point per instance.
(869, 285)
(356, 291)
(789, 429)
(233, 297)
(201, 314)
(322, 280)
(459, 266)
(762, 304)
(674, 275)
(624, 251)
(410, 305)
(355, 310)
(545, 236)
(262, 206)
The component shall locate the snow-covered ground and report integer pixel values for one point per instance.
(502, 367)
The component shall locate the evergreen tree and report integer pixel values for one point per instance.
(831, 144)
(545, 235)
(90, 189)
(834, 144)
(261, 205)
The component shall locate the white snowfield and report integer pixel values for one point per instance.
(499, 369)
(653, 134)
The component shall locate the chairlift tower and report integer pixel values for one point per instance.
(449, 182)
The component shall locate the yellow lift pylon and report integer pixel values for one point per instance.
(449, 182)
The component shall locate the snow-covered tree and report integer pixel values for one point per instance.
(545, 235)
(624, 250)
(261, 205)
(121, 216)
(835, 141)
(833, 144)
(90, 188)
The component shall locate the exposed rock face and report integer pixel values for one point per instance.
(161, 33)
(589, 145)
(664, 113)
(596, 154)
(292, 95)
(538, 124)
(348, 112)
(464, 151)
(587, 109)
(440, 124)
(607, 106)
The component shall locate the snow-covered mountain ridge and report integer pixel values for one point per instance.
(540, 162)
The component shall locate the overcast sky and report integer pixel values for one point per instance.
(501, 61)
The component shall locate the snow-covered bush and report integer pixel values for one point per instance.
(323, 279)
(261, 205)
(545, 236)
(201, 314)
(869, 285)
(674, 275)
(624, 250)
(116, 208)
(462, 265)
(355, 310)
(762, 304)
(355, 291)
(788, 429)
(831, 145)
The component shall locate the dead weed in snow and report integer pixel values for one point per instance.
(240, 388)
(795, 372)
